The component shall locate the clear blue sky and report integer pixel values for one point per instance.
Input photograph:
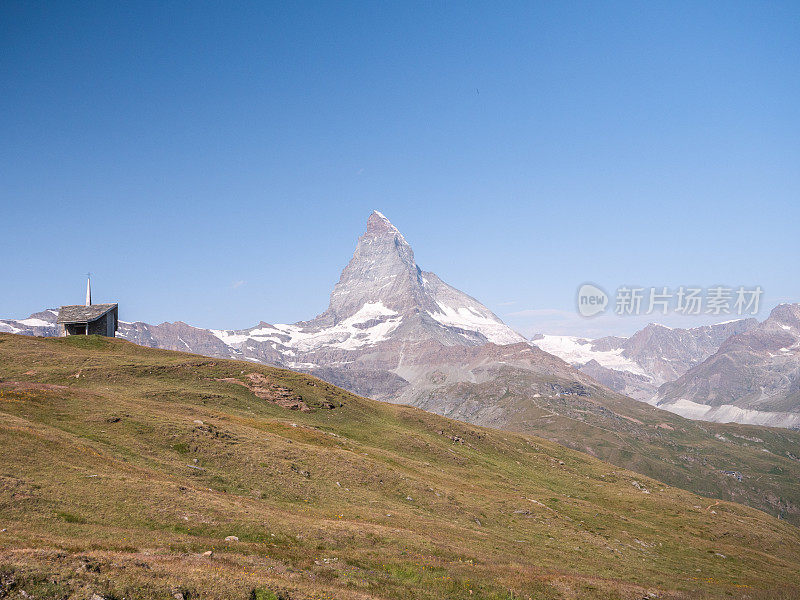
(216, 162)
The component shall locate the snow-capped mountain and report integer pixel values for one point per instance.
(754, 377)
(40, 323)
(382, 295)
(387, 325)
(638, 365)
(741, 371)
(395, 332)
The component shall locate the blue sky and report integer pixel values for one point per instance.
(215, 163)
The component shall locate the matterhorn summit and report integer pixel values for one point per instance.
(382, 284)
(382, 270)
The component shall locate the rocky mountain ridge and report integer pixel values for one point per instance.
(754, 376)
(638, 365)
(389, 325)
(395, 332)
(738, 371)
(415, 340)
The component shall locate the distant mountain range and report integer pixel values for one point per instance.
(637, 366)
(753, 377)
(391, 331)
(739, 371)
(397, 333)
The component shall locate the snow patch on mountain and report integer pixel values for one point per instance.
(728, 413)
(31, 322)
(471, 319)
(371, 324)
(579, 351)
(230, 338)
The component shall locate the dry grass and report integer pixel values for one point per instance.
(121, 465)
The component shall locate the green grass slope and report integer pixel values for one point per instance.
(753, 465)
(121, 467)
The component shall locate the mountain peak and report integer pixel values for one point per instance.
(418, 305)
(382, 269)
(378, 224)
(785, 315)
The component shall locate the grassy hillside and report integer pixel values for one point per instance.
(120, 466)
(757, 466)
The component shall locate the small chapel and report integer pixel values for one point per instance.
(88, 319)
